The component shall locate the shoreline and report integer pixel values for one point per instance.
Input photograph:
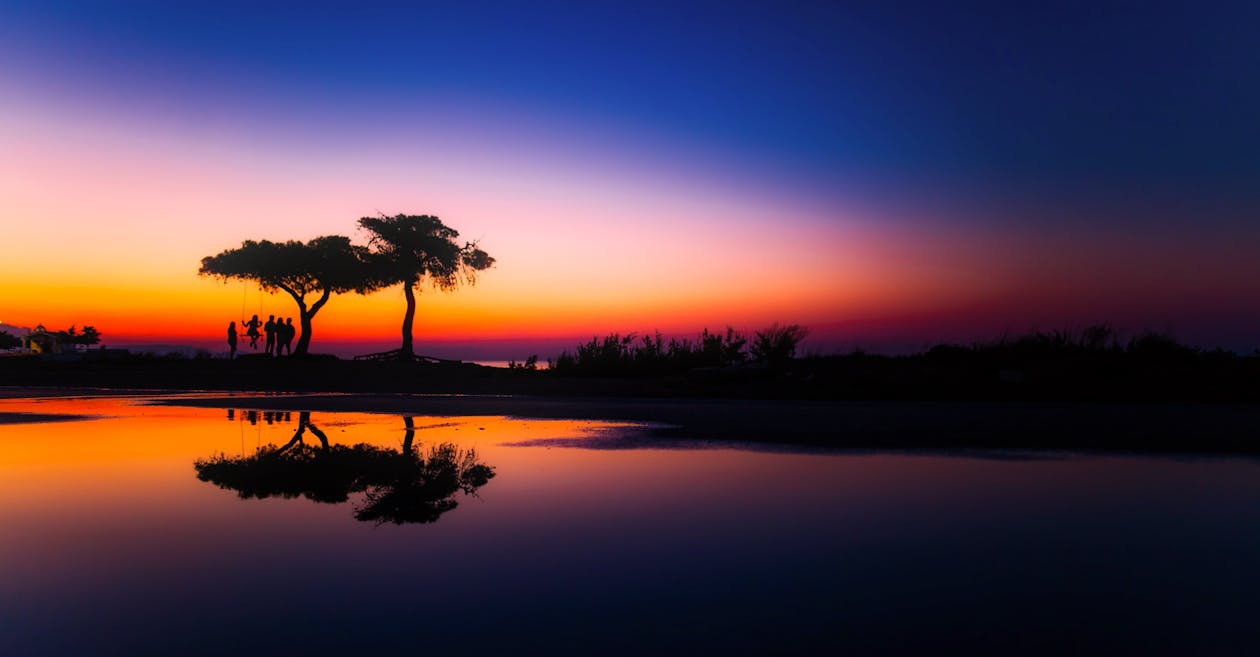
(940, 376)
(7, 418)
(1140, 428)
(1137, 428)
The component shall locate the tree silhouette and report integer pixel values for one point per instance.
(88, 336)
(397, 486)
(415, 249)
(323, 266)
(323, 473)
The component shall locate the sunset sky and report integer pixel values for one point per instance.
(888, 174)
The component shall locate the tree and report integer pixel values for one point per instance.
(418, 249)
(402, 486)
(9, 341)
(89, 336)
(323, 266)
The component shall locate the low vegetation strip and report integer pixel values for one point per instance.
(1094, 365)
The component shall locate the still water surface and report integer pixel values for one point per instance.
(164, 530)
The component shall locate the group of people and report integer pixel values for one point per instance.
(279, 334)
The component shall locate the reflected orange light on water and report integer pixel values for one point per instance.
(132, 453)
(121, 430)
(104, 504)
(133, 466)
(141, 456)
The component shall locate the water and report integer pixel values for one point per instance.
(112, 545)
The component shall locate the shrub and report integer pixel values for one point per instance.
(629, 354)
(529, 365)
(777, 344)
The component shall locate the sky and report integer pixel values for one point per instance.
(890, 175)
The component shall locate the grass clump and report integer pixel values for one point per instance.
(629, 354)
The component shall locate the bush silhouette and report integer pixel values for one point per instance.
(633, 355)
(777, 344)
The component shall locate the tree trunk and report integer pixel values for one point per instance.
(410, 437)
(304, 340)
(297, 435)
(305, 316)
(323, 438)
(407, 352)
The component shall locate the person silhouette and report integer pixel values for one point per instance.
(231, 337)
(252, 333)
(287, 332)
(270, 329)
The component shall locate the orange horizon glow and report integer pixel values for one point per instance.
(858, 284)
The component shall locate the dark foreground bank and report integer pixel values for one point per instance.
(1010, 374)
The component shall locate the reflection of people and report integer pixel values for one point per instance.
(270, 329)
(253, 333)
(231, 339)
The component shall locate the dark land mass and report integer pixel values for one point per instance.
(29, 418)
(1171, 374)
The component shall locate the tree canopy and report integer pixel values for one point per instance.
(417, 250)
(88, 336)
(323, 266)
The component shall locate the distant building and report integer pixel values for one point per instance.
(40, 341)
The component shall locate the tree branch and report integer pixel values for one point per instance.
(323, 298)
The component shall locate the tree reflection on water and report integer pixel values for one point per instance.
(407, 485)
